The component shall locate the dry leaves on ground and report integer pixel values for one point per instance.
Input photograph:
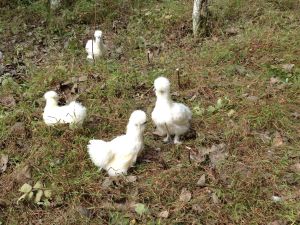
(23, 174)
(278, 140)
(164, 214)
(201, 181)
(3, 163)
(295, 168)
(185, 195)
(8, 101)
(215, 154)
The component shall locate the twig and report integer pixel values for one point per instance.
(148, 56)
(178, 77)
(148, 90)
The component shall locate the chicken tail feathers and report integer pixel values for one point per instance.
(99, 153)
(77, 112)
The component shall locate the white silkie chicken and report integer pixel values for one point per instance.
(95, 48)
(73, 113)
(118, 155)
(170, 118)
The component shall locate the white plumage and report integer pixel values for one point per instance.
(118, 155)
(73, 113)
(95, 48)
(170, 118)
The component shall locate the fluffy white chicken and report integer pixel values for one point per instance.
(73, 113)
(170, 118)
(95, 48)
(118, 155)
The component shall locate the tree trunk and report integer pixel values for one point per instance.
(199, 14)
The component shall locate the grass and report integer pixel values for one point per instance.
(47, 49)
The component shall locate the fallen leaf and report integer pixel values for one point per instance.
(211, 109)
(278, 222)
(201, 181)
(296, 115)
(30, 195)
(38, 185)
(167, 17)
(215, 198)
(82, 78)
(185, 195)
(3, 163)
(217, 157)
(295, 168)
(131, 179)
(197, 208)
(119, 50)
(206, 151)
(197, 110)
(26, 188)
(18, 130)
(288, 67)
(214, 38)
(265, 137)
(164, 214)
(85, 211)
(219, 103)
(278, 140)
(291, 179)
(176, 93)
(140, 208)
(7, 101)
(48, 193)
(232, 31)
(74, 89)
(197, 156)
(217, 153)
(240, 69)
(252, 98)
(276, 198)
(38, 196)
(231, 113)
(107, 182)
(23, 174)
(274, 80)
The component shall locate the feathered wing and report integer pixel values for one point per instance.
(125, 154)
(100, 153)
(88, 46)
(77, 112)
(181, 114)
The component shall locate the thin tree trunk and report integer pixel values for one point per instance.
(199, 14)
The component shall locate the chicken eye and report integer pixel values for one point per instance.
(161, 92)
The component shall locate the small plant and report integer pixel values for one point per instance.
(199, 111)
(38, 194)
(221, 103)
